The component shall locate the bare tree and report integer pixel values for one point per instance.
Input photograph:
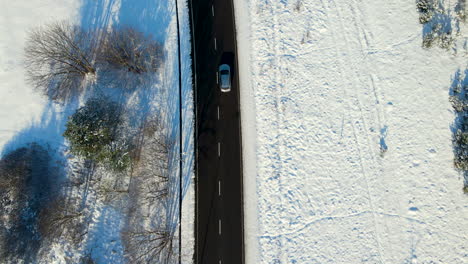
(19, 171)
(148, 191)
(145, 245)
(152, 178)
(113, 189)
(62, 218)
(26, 182)
(126, 48)
(12, 189)
(58, 58)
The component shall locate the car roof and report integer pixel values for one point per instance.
(224, 67)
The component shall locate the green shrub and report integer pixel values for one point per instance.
(117, 156)
(460, 142)
(461, 163)
(461, 138)
(92, 133)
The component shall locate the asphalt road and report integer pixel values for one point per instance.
(219, 221)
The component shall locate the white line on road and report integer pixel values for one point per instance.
(212, 10)
(219, 188)
(219, 225)
(218, 112)
(219, 149)
(216, 47)
(217, 78)
(219, 261)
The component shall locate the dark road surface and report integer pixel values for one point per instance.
(219, 215)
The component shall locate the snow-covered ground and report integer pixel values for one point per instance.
(20, 106)
(347, 134)
(188, 145)
(26, 116)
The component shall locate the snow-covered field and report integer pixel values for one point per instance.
(20, 106)
(26, 116)
(347, 134)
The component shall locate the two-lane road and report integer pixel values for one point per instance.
(219, 222)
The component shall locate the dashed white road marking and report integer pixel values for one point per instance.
(217, 77)
(212, 10)
(216, 47)
(219, 188)
(218, 112)
(219, 149)
(219, 226)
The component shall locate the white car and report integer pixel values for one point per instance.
(224, 74)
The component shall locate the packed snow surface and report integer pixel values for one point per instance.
(347, 134)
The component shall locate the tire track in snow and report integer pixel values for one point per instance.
(381, 118)
(362, 34)
(379, 110)
(278, 84)
(310, 223)
(363, 130)
(273, 184)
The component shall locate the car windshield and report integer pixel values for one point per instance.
(224, 72)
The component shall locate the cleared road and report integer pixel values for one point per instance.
(219, 222)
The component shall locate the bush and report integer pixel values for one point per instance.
(460, 142)
(458, 104)
(126, 48)
(438, 36)
(117, 156)
(93, 134)
(426, 10)
(459, 100)
(461, 162)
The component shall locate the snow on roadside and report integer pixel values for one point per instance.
(325, 87)
(248, 119)
(188, 125)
